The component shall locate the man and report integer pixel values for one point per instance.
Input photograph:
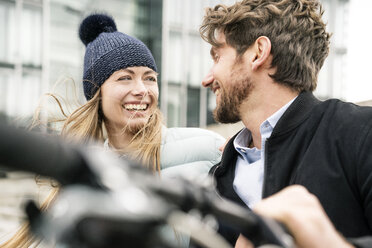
(267, 56)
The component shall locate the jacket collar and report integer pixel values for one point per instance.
(229, 155)
(295, 114)
(298, 112)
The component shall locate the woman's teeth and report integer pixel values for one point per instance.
(136, 107)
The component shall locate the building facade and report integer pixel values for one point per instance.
(186, 60)
(39, 46)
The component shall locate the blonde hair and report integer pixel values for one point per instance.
(87, 124)
(145, 144)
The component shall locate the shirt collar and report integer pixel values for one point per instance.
(240, 143)
(242, 140)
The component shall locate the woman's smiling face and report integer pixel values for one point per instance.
(129, 97)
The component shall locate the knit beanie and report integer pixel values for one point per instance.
(107, 51)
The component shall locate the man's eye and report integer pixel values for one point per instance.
(125, 78)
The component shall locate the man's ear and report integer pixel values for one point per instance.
(262, 49)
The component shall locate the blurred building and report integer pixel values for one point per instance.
(185, 61)
(39, 45)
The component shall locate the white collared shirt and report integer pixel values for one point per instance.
(249, 170)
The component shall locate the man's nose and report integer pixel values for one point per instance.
(208, 79)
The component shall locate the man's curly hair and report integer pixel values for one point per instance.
(300, 42)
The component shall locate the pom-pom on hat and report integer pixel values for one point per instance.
(107, 51)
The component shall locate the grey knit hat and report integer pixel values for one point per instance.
(107, 51)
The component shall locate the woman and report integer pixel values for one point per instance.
(120, 85)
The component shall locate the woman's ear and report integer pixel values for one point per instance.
(262, 48)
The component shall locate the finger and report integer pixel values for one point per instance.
(242, 242)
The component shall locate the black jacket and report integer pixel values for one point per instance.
(324, 146)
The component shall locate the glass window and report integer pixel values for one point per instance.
(206, 58)
(175, 57)
(11, 97)
(211, 105)
(339, 76)
(66, 50)
(196, 13)
(7, 32)
(193, 107)
(195, 61)
(65, 45)
(31, 35)
(323, 87)
(341, 23)
(174, 105)
(332, 76)
(29, 93)
(175, 12)
(20, 39)
(327, 11)
(5, 79)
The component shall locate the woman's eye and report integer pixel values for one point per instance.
(153, 79)
(125, 78)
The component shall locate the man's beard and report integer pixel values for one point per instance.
(231, 97)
